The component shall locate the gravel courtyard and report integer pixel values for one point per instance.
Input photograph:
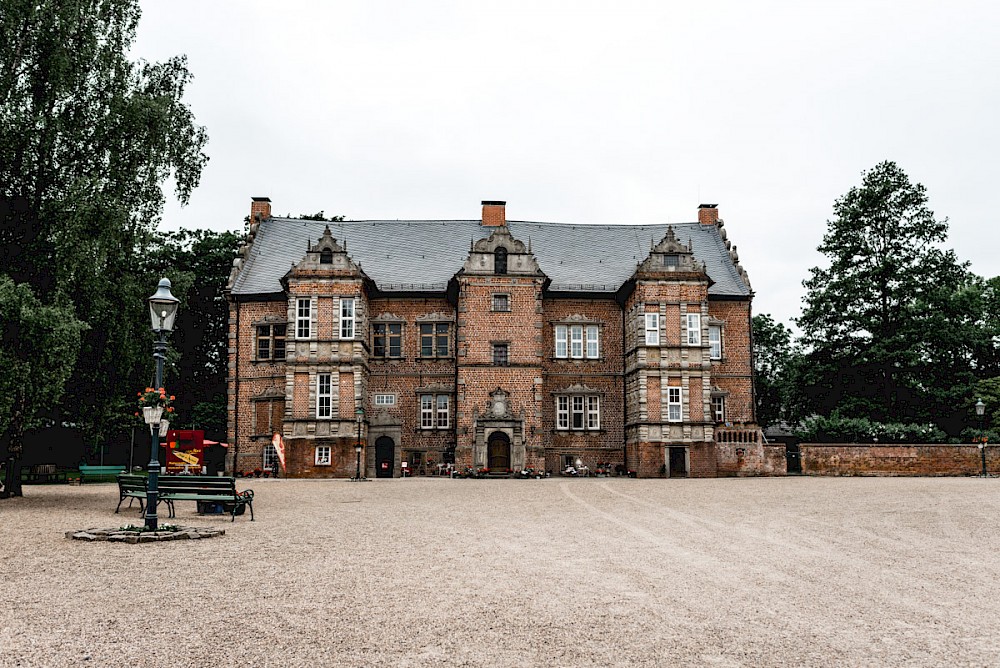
(558, 572)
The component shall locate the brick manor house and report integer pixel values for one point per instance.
(491, 344)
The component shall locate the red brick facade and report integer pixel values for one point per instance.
(496, 371)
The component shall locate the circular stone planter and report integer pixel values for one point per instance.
(134, 537)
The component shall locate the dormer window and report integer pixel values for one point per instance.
(500, 260)
(326, 256)
(671, 260)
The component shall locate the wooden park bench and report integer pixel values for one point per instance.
(100, 473)
(173, 488)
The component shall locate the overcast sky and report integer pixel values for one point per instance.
(594, 112)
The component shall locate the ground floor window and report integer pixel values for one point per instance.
(322, 455)
(578, 412)
(270, 456)
(434, 410)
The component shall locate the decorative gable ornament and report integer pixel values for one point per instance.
(484, 254)
(324, 259)
(671, 256)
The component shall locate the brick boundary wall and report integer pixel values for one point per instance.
(861, 459)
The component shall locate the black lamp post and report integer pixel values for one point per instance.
(980, 409)
(360, 417)
(162, 312)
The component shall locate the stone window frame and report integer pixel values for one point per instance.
(498, 307)
(500, 261)
(679, 403)
(652, 328)
(387, 321)
(303, 318)
(692, 333)
(436, 337)
(431, 412)
(328, 395)
(578, 400)
(562, 335)
(271, 338)
(319, 459)
(348, 321)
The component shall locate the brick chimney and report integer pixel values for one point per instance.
(494, 214)
(262, 206)
(708, 214)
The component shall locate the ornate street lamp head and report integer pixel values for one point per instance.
(163, 307)
(980, 408)
(359, 415)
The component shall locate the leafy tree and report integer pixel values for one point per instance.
(38, 345)
(198, 263)
(889, 327)
(87, 139)
(773, 357)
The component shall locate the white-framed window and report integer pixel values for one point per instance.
(562, 412)
(303, 318)
(322, 455)
(324, 396)
(426, 411)
(593, 342)
(442, 411)
(578, 412)
(270, 456)
(694, 329)
(673, 404)
(385, 399)
(715, 342)
(576, 342)
(719, 409)
(434, 409)
(593, 412)
(652, 329)
(501, 302)
(347, 318)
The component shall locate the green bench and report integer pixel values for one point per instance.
(173, 488)
(131, 486)
(99, 473)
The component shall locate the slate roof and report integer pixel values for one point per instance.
(401, 255)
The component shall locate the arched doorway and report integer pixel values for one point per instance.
(498, 452)
(385, 457)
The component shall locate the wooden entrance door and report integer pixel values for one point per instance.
(385, 457)
(498, 452)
